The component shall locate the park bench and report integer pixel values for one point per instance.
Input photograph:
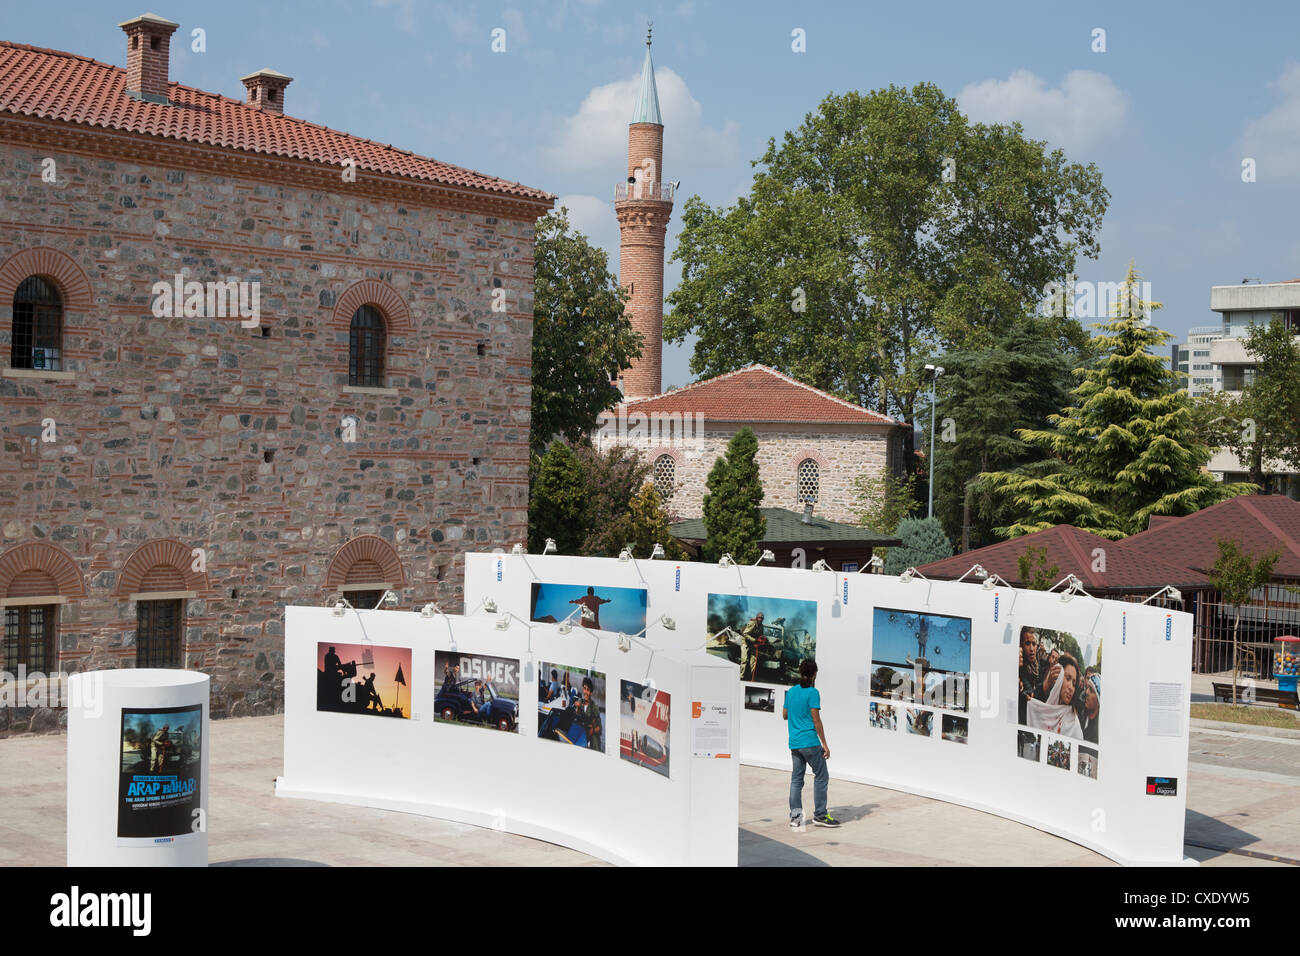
(1262, 695)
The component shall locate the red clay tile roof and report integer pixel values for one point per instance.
(1071, 550)
(76, 89)
(1259, 523)
(757, 393)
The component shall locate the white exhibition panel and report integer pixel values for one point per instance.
(597, 803)
(1143, 646)
(96, 762)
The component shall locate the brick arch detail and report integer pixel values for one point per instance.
(379, 294)
(369, 548)
(46, 559)
(803, 454)
(165, 552)
(656, 453)
(56, 266)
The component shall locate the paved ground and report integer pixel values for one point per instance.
(1243, 809)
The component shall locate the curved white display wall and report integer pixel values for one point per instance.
(462, 718)
(921, 682)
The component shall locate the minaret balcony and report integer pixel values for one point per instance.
(663, 192)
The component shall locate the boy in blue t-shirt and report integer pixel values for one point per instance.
(808, 747)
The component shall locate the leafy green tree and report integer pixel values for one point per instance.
(1032, 569)
(558, 503)
(581, 337)
(643, 525)
(1235, 575)
(986, 395)
(611, 480)
(1261, 426)
(733, 520)
(1126, 450)
(882, 500)
(923, 541)
(883, 230)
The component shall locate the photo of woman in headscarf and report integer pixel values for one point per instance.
(1058, 713)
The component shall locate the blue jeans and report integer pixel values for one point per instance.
(803, 758)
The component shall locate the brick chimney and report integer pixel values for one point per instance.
(148, 42)
(266, 90)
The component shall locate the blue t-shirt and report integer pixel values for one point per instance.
(799, 704)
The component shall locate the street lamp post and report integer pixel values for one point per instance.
(936, 371)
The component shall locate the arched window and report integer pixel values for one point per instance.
(665, 476)
(366, 348)
(38, 326)
(809, 479)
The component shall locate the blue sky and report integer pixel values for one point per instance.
(1182, 94)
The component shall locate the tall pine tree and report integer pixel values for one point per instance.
(1127, 448)
(733, 521)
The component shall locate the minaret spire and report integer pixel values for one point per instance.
(643, 205)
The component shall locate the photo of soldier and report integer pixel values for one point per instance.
(160, 769)
(571, 706)
(363, 679)
(767, 637)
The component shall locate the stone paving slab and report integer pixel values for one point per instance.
(1243, 798)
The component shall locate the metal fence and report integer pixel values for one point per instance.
(1274, 611)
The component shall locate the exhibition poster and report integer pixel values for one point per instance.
(477, 690)
(159, 794)
(571, 706)
(767, 636)
(1059, 693)
(921, 658)
(363, 679)
(643, 732)
(710, 728)
(594, 607)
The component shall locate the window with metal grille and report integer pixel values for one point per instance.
(30, 638)
(364, 600)
(37, 341)
(158, 634)
(366, 348)
(809, 477)
(665, 476)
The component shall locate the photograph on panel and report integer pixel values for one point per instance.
(363, 679)
(924, 658)
(760, 698)
(883, 716)
(644, 714)
(1060, 683)
(955, 728)
(767, 636)
(920, 722)
(477, 690)
(571, 706)
(594, 607)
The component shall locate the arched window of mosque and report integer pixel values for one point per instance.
(809, 480)
(366, 348)
(665, 475)
(36, 341)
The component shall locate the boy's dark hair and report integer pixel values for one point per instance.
(807, 671)
(588, 682)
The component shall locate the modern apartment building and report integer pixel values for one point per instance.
(1192, 358)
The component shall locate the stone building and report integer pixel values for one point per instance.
(811, 445)
(247, 361)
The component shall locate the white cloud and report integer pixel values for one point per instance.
(594, 218)
(1273, 140)
(1087, 109)
(595, 138)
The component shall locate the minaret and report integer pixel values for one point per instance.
(643, 204)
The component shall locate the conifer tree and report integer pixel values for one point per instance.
(558, 502)
(923, 541)
(733, 521)
(1125, 450)
(645, 524)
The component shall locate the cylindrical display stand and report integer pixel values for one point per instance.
(138, 768)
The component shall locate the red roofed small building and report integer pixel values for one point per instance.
(245, 361)
(812, 446)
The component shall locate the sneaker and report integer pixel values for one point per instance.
(796, 823)
(826, 820)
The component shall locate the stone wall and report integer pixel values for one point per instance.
(843, 453)
(230, 439)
